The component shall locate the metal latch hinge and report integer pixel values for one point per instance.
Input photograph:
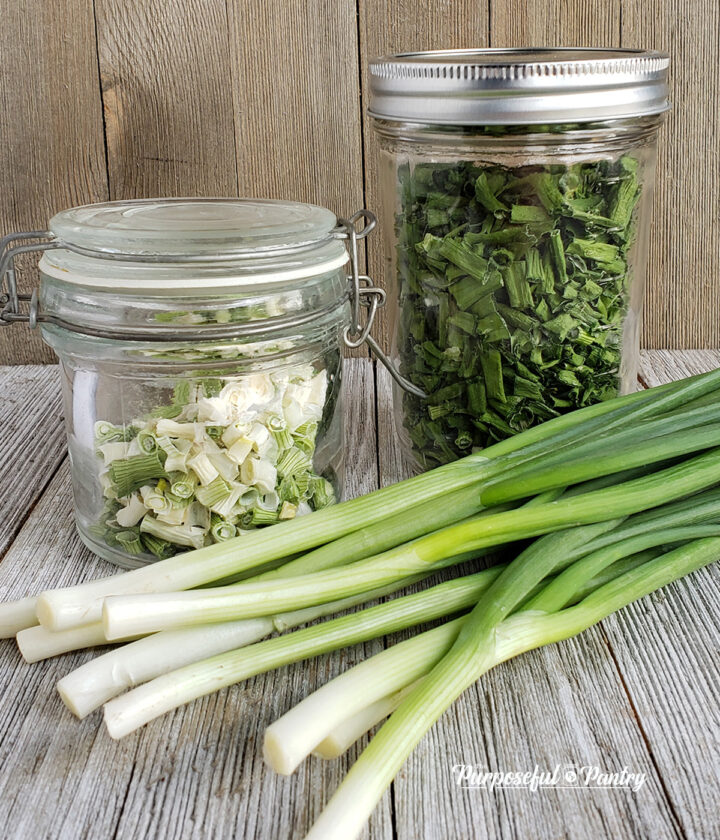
(10, 299)
(364, 294)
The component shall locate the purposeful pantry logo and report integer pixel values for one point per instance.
(561, 776)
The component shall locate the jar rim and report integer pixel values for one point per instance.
(522, 86)
(192, 227)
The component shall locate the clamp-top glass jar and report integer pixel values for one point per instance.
(516, 192)
(200, 347)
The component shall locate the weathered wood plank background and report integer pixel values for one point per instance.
(138, 98)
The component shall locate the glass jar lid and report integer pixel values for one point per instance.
(193, 269)
(518, 86)
(210, 227)
(192, 243)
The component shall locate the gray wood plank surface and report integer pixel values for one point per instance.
(32, 444)
(297, 111)
(681, 307)
(53, 155)
(638, 692)
(166, 98)
(197, 773)
(659, 366)
(667, 649)
(563, 706)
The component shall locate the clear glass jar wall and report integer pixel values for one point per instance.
(182, 446)
(516, 262)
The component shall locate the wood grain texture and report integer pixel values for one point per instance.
(165, 71)
(197, 773)
(549, 23)
(392, 463)
(32, 444)
(294, 71)
(297, 110)
(681, 308)
(561, 706)
(360, 401)
(666, 649)
(52, 153)
(660, 366)
(671, 678)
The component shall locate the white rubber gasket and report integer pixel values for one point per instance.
(200, 284)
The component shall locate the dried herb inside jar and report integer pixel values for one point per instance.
(513, 293)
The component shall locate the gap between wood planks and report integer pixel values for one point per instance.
(643, 733)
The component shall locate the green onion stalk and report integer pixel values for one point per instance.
(341, 737)
(157, 696)
(472, 654)
(102, 678)
(99, 680)
(17, 615)
(38, 642)
(588, 551)
(137, 614)
(378, 683)
(137, 707)
(337, 739)
(71, 606)
(625, 541)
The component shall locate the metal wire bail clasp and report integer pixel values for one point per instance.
(362, 292)
(365, 294)
(9, 296)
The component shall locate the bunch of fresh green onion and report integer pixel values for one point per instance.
(617, 499)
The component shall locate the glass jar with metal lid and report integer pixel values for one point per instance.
(200, 348)
(516, 188)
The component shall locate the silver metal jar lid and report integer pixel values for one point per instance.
(518, 86)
